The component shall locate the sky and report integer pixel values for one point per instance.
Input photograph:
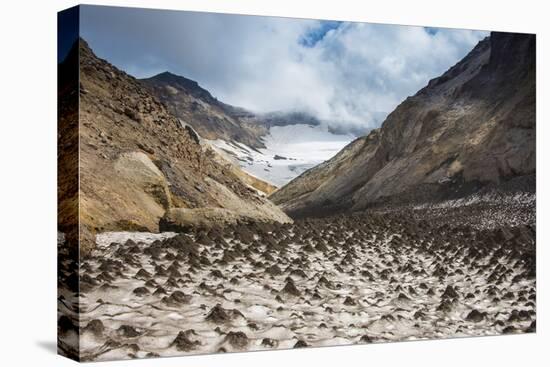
(349, 75)
(67, 31)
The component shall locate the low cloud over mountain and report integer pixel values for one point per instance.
(349, 75)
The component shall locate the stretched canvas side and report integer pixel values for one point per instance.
(68, 338)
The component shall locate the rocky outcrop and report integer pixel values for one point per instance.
(136, 170)
(137, 160)
(182, 220)
(471, 129)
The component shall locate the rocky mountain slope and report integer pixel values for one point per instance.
(246, 139)
(195, 106)
(137, 160)
(214, 119)
(67, 147)
(471, 129)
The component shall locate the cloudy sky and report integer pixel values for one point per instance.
(347, 74)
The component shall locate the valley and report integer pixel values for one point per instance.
(289, 151)
(206, 228)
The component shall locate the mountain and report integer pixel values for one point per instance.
(138, 162)
(251, 141)
(285, 118)
(469, 130)
(195, 106)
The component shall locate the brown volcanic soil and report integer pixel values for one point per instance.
(137, 160)
(372, 277)
(471, 128)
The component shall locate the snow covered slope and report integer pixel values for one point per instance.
(290, 150)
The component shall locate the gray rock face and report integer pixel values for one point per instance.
(471, 129)
(195, 106)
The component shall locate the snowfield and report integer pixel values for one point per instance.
(290, 150)
(335, 281)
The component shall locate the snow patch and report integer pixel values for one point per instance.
(290, 151)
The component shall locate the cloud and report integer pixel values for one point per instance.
(349, 75)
